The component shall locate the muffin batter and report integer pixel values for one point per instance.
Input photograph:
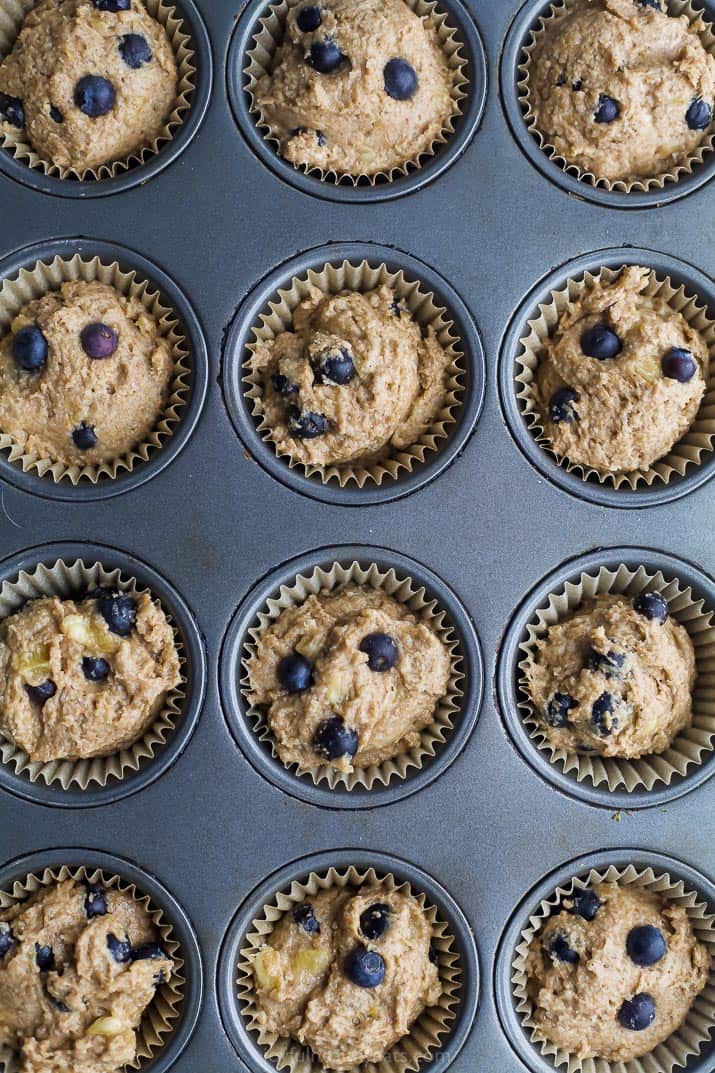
(615, 973)
(84, 679)
(357, 87)
(315, 983)
(627, 408)
(612, 680)
(84, 375)
(621, 88)
(347, 677)
(79, 965)
(87, 85)
(353, 381)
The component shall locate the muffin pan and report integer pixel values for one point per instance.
(488, 524)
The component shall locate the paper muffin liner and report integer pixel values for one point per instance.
(68, 580)
(425, 311)
(12, 14)
(46, 276)
(693, 743)
(424, 608)
(161, 1015)
(427, 1033)
(259, 61)
(553, 15)
(697, 442)
(682, 1045)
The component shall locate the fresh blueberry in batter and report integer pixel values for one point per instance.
(585, 904)
(577, 85)
(652, 606)
(7, 939)
(679, 364)
(42, 692)
(29, 348)
(309, 18)
(655, 4)
(95, 901)
(134, 50)
(699, 114)
(375, 920)
(364, 967)
(559, 948)
(561, 407)
(148, 952)
(307, 425)
(120, 949)
(637, 1013)
(44, 958)
(336, 366)
(12, 110)
(95, 668)
(602, 719)
(608, 663)
(113, 5)
(295, 673)
(95, 96)
(607, 109)
(381, 650)
(333, 739)
(600, 342)
(325, 57)
(98, 340)
(646, 945)
(283, 385)
(304, 916)
(400, 79)
(119, 611)
(558, 708)
(56, 114)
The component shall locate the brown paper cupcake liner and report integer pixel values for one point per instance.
(43, 277)
(691, 746)
(697, 442)
(259, 60)
(12, 14)
(430, 1028)
(66, 580)
(552, 16)
(405, 591)
(681, 1045)
(424, 309)
(161, 1015)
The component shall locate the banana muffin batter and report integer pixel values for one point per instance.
(621, 378)
(357, 87)
(347, 974)
(615, 972)
(79, 964)
(622, 88)
(348, 677)
(615, 678)
(84, 375)
(353, 381)
(88, 82)
(81, 679)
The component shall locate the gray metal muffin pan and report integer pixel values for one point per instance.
(215, 523)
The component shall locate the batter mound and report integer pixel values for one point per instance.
(79, 964)
(84, 679)
(87, 84)
(615, 973)
(621, 378)
(615, 678)
(357, 86)
(347, 974)
(350, 678)
(621, 88)
(84, 375)
(354, 381)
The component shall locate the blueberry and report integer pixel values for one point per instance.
(42, 692)
(29, 348)
(336, 366)
(607, 109)
(364, 967)
(149, 952)
(433, 953)
(652, 606)
(375, 920)
(585, 904)
(118, 610)
(7, 939)
(699, 114)
(381, 650)
(577, 85)
(113, 5)
(321, 139)
(99, 340)
(307, 425)
(134, 50)
(679, 364)
(333, 739)
(95, 668)
(56, 114)
(325, 57)
(94, 95)
(295, 673)
(600, 342)
(309, 18)
(120, 949)
(84, 436)
(561, 408)
(602, 718)
(396, 307)
(12, 110)
(95, 902)
(637, 1013)
(400, 79)
(304, 916)
(57, 1003)
(319, 135)
(608, 663)
(283, 385)
(655, 4)
(557, 709)
(646, 945)
(44, 958)
(558, 948)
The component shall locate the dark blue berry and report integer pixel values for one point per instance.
(364, 967)
(333, 739)
(646, 945)
(120, 949)
(304, 916)
(307, 425)
(99, 340)
(44, 958)
(600, 342)
(149, 952)
(655, 4)
(585, 904)
(608, 663)
(42, 692)
(113, 5)
(29, 348)
(7, 939)
(561, 408)
(577, 85)
(433, 954)
(396, 307)
(679, 364)
(134, 50)
(607, 109)
(652, 606)
(602, 718)
(118, 610)
(295, 673)
(309, 18)
(95, 902)
(12, 110)
(84, 436)
(336, 366)
(375, 920)
(381, 651)
(400, 79)
(320, 138)
(56, 114)
(95, 668)
(325, 57)
(699, 114)
(558, 708)
(637, 1013)
(283, 385)
(558, 948)
(56, 1003)
(94, 95)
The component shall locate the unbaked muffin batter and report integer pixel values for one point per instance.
(347, 973)
(621, 378)
(357, 86)
(87, 82)
(615, 972)
(347, 677)
(622, 88)
(79, 965)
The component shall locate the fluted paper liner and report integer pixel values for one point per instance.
(426, 609)
(682, 1045)
(12, 14)
(70, 580)
(697, 442)
(46, 276)
(428, 1031)
(693, 743)
(423, 308)
(161, 1015)
(553, 14)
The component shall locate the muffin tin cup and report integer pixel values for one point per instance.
(36, 270)
(612, 781)
(691, 1045)
(691, 461)
(431, 602)
(69, 571)
(437, 1035)
(251, 53)
(362, 267)
(169, 1020)
(189, 41)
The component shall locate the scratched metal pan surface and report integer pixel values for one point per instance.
(218, 824)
